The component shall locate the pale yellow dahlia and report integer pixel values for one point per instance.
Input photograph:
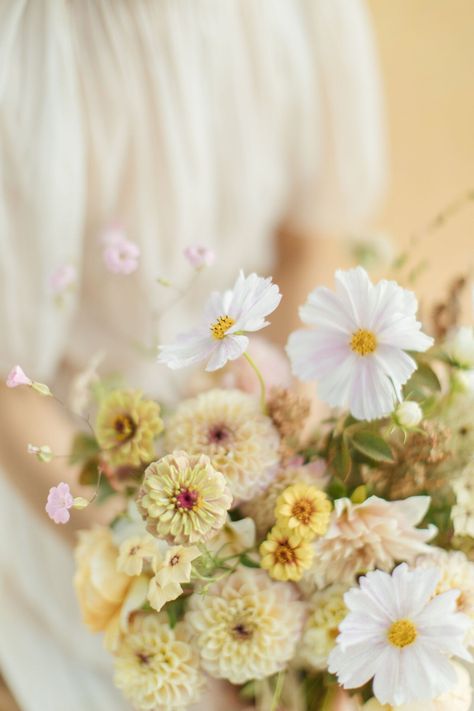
(285, 555)
(183, 498)
(262, 507)
(100, 588)
(325, 614)
(246, 626)
(303, 509)
(126, 427)
(457, 573)
(156, 668)
(230, 428)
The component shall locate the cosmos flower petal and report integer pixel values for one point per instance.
(326, 310)
(396, 364)
(372, 395)
(404, 332)
(387, 679)
(188, 349)
(356, 665)
(355, 290)
(229, 348)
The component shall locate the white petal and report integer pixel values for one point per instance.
(354, 288)
(404, 332)
(188, 349)
(425, 674)
(372, 394)
(396, 364)
(326, 309)
(388, 681)
(315, 353)
(355, 666)
(229, 348)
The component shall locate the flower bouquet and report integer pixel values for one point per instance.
(311, 565)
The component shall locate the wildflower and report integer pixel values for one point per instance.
(398, 635)
(229, 427)
(246, 626)
(126, 427)
(357, 350)
(183, 498)
(60, 500)
(199, 256)
(285, 555)
(43, 453)
(121, 256)
(158, 595)
(17, 377)
(304, 510)
(227, 317)
(134, 552)
(176, 566)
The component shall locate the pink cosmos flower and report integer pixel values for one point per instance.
(17, 377)
(199, 256)
(121, 256)
(59, 502)
(62, 278)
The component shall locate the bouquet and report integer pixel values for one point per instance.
(312, 565)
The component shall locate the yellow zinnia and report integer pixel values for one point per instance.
(126, 427)
(303, 509)
(285, 555)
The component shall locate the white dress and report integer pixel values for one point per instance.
(186, 121)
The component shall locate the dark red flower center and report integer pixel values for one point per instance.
(187, 499)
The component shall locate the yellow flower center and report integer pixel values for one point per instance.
(124, 427)
(363, 342)
(402, 633)
(285, 554)
(220, 327)
(303, 511)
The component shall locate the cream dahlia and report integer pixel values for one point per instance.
(246, 626)
(229, 427)
(183, 498)
(397, 633)
(357, 347)
(156, 667)
(326, 610)
(374, 534)
(227, 317)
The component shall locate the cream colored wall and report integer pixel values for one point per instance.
(427, 54)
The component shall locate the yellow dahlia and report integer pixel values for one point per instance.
(229, 427)
(246, 626)
(100, 588)
(183, 498)
(326, 612)
(285, 555)
(156, 668)
(303, 509)
(262, 507)
(126, 427)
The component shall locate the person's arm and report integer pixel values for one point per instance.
(27, 417)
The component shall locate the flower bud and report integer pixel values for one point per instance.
(408, 414)
(43, 454)
(80, 503)
(460, 347)
(41, 388)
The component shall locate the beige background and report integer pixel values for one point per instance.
(426, 49)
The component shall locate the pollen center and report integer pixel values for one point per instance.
(187, 499)
(284, 553)
(402, 633)
(363, 342)
(220, 327)
(303, 511)
(124, 427)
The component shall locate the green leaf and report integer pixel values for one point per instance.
(336, 488)
(248, 562)
(340, 457)
(89, 474)
(424, 378)
(84, 447)
(175, 611)
(372, 446)
(105, 491)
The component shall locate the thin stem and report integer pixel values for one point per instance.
(263, 392)
(278, 690)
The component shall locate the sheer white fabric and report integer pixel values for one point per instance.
(211, 121)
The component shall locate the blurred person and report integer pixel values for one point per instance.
(252, 127)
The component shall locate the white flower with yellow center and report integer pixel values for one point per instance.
(327, 609)
(397, 633)
(156, 667)
(356, 350)
(246, 626)
(227, 317)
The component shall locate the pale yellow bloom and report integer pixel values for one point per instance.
(156, 667)
(233, 538)
(183, 498)
(246, 626)
(134, 552)
(101, 589)
(304, 510)
(158, 595)
(230, 428)
(285, 555)
(126, 427)
(176, 566)
(326, 610)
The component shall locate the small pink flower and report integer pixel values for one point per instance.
(63, 278)
(59, 502)
(17, 377)
(121, 256)
(199, 256)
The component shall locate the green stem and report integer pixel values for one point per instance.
(263, 392)
(278, 690)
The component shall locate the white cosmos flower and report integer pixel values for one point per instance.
(357, 350)
(402, 636)
(227, 317)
